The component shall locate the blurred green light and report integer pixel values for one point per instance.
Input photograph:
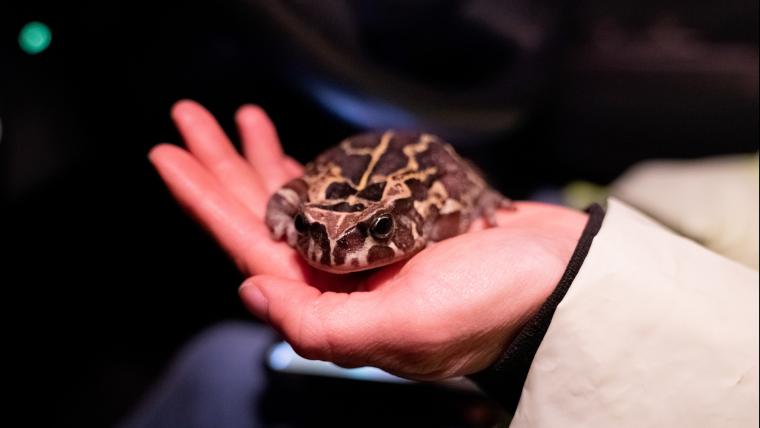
(34, 37)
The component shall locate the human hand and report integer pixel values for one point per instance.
(449, 310)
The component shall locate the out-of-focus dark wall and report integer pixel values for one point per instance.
(106, 275)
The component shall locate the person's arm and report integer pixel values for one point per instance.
(447, 311)
(651, 323)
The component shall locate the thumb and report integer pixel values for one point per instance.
(289, 306)
(327, 326)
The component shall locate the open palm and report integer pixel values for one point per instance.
(449, 310)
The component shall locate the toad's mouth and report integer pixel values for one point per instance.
(377, 256)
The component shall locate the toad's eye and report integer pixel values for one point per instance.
(382, 226)
(302, 226)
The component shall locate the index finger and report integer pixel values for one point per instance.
(262, 148)
(209, 144)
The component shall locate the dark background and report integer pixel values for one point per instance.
(107, 277)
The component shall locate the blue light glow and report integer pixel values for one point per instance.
(281, 356)
(363, 112)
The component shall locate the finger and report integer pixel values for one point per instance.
(261, 146)
(207, 141)
(292, 167)
(338, 327)
(242, 235)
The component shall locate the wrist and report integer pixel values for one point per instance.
(556, 231)
(504, 378)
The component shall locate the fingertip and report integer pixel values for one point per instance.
(254, 299)
(287, 305)
(183, 108)
(158, 151)
(248, 113)
(248, 284)
(281, 290)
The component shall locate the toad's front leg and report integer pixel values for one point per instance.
(488, 203)
(283, 207)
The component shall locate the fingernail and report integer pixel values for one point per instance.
(255, 300)
(179, 110)
(247, 113)
(152, 152)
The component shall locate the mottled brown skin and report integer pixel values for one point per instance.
(378, 198)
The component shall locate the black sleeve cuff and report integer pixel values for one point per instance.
(503, 380)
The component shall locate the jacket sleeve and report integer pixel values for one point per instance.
(713, 201)
(654, 331)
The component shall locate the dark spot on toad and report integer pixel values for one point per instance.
(350, 242)
(418, 189)
(403, 238)
(379, 252)
(373, 192)
(339, 191)
(318, 234)
(343, 207)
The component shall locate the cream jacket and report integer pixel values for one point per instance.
(655, 331)
(713, 201)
